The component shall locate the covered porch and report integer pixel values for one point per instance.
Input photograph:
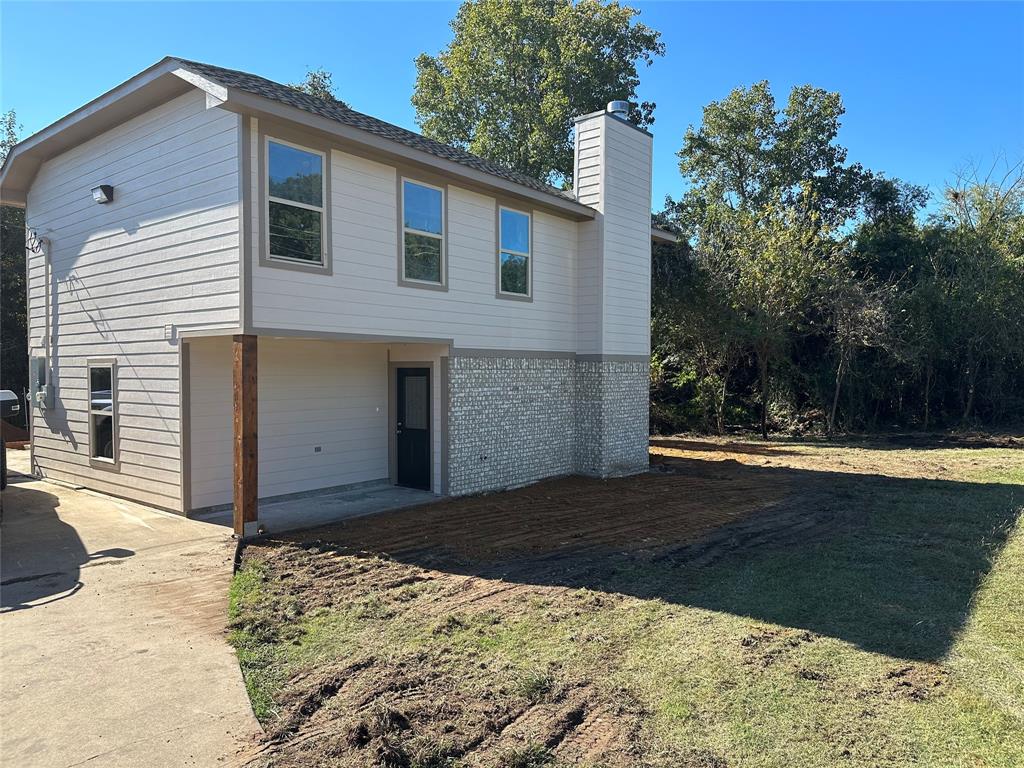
(284, 432)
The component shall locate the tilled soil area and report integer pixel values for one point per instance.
(485, 559)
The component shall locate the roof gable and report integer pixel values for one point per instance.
(172, 76)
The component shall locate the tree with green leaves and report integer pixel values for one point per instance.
(768, 188)
(846, 310)
(517, 72)
(13, 318)
(748, 154)
(320, 83)
(980, 259)
(776, 259)
(858, 317)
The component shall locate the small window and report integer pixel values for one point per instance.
(102, 413)
(422, 233)
(513, 252)
(295, 203)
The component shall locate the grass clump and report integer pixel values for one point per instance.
(536, 686)
(528, 756)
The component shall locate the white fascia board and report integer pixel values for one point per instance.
(214, 91)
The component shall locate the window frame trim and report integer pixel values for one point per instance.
(498, 292)
(268, 199)
(263, 131)
(99, 462)
(444, 189)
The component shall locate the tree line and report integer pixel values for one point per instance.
(809, 293)
(13, 301)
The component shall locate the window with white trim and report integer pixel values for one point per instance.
(513, 252)
(422, 232)
(102, 412)
(296, 188)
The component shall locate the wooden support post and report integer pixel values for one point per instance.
(245, 444)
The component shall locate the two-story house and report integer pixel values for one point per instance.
(239, 292)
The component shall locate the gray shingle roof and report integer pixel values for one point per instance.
(268, 89)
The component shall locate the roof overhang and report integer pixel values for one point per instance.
(154, 86)
(659, 235)
(171, 78)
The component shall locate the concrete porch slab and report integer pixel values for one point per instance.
(315, 508)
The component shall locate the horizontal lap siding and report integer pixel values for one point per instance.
(627, 227)
(310, 393)
(613, 174)
(589, 188)
(165, 252)
(362, 296)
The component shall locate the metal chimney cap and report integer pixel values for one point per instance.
(619, 108)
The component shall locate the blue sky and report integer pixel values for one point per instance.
(928, 87)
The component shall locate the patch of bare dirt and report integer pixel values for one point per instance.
(916, 682)
(911, 682)
(388, 713)
(767, 646)
(630, 514)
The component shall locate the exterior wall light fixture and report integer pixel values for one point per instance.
(104, 193)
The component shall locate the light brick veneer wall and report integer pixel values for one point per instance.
(515, 420)
(612, 404)
(511, 421)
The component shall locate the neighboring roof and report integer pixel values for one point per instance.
(659, 235)
(261, 86)
(241, 91)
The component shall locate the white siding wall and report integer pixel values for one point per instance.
(164, 252)
(589, 179)
(613, 166)
(626, 322)
(362, 296)
(310, 393)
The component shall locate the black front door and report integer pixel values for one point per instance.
(412, 428)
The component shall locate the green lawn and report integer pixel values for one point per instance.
(858, 619)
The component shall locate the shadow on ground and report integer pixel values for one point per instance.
(890, 565)
(41, 556)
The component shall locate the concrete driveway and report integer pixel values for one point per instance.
(112, 644)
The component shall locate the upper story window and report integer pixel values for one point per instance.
(513, 253)
(295, 203)
(102, 412)
(422, 233)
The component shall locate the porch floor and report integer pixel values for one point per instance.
(315, 508)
